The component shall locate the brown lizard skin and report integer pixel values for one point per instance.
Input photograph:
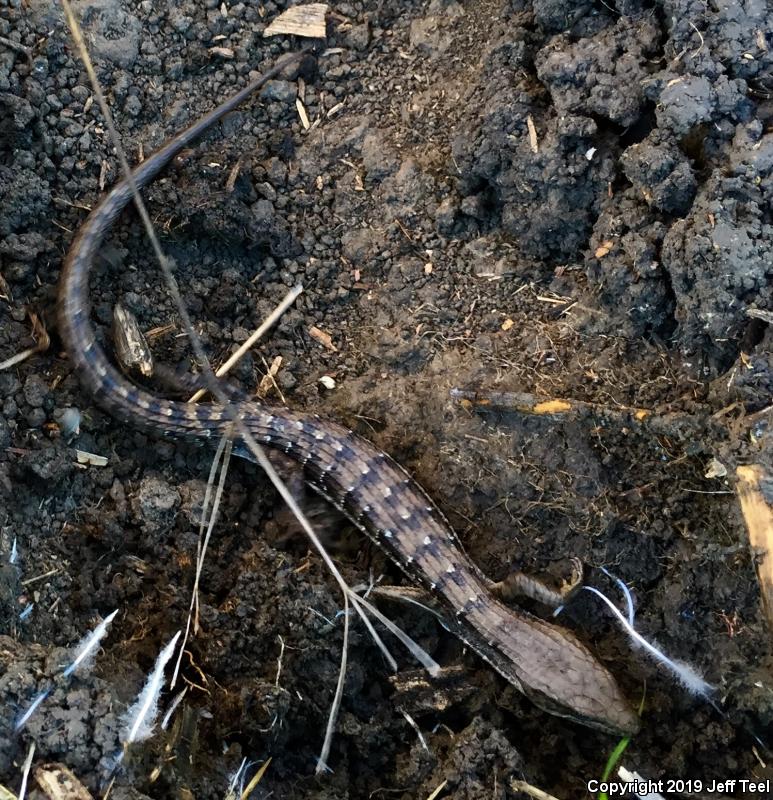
(547, 663)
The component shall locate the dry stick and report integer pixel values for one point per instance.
(287, 301)
(18, 358)
(336, 704)
(758, 515)
(212, 383)
(26, 771)
(194, 604)
(256, 779)
(17, 46)
(532, 791)
(438, 789)
(671, 422)
(42, 341)
(213, 518)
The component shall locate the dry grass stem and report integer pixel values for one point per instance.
(336, 704)
(222, 455)
(25, 773)
(268, 323)
(42, 341)
(256, 779)
(532, 791)
(436, 792)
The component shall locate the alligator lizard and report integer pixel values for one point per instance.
(547, 663)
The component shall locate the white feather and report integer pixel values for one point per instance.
(84, 652)
(141, 717)
(685, 674)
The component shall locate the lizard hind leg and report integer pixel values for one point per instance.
(518, 584)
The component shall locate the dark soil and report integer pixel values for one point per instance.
(567, 198)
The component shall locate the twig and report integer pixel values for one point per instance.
(336, 704)
(270, 320)
(41, 577)
(758, 515)
(42, 342)
(228, 446)
(19, 48)
(673, 422)
(279, 660)
(194, 604)
(532, 791)
(26, 771)
(412, 722)
(268, 380)
(256, 779)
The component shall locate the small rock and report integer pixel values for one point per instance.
(5, 433)
(23, 246)
(358, 38)
(445, 216)
(35, 391)
(156, 500)
(280, 91)
(132, 106)
(287, 380)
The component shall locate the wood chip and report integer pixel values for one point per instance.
(223, 52)
(759, 313)
(715, 469)
(57, 782)
(302, 114)
(90, 459)
(307, 20)
(758, 515)
(233, 175)
(267, 382)
(603, 249)
(323, 338)
(533, 141)
(507, 324)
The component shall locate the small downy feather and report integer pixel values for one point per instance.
(84, 653)
(141, 717)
